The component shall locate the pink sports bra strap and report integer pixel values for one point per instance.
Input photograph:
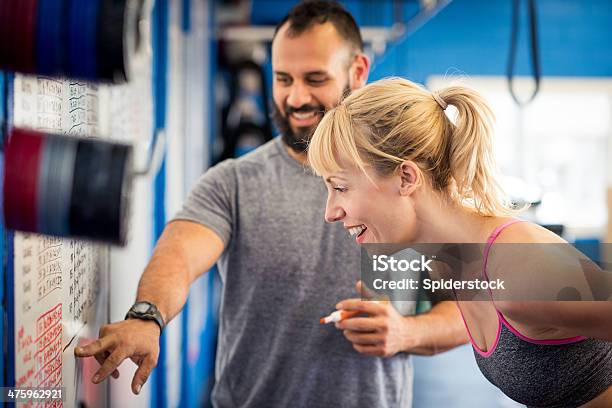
(499, 230)
(490, 242)
(492, 239)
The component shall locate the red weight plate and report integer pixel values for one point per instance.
(31, 164)
(6, 36)
(15, 24)
(3, 25)
(22, 161)
(18, 28)
(29, 34)
(13, 191)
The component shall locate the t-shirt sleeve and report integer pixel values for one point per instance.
(212, 201)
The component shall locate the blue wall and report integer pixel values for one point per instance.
(473, 36)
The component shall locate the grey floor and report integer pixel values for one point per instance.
(452, 380)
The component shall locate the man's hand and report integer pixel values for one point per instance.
(383, 333)
(133, 338)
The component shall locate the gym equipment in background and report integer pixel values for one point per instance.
(66, 186)
(95, 40)
(246, 118)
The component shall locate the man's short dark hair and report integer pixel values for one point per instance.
(310, 12)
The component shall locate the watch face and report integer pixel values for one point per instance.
(141, 307)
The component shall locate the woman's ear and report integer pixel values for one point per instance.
(410, 177)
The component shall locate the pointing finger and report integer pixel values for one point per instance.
(98, 346)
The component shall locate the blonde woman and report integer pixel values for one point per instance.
(398, 170)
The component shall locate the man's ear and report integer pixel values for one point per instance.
(359, 71)
(410, 177)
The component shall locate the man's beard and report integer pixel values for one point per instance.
(298, 140)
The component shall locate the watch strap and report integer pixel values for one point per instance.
(151, 314)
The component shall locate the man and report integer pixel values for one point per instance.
(261, 218)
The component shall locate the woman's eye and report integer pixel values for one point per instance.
(340, 189)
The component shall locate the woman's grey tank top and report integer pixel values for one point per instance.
(552, 376)
(545, 373)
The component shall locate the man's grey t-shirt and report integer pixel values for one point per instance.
(283, 268)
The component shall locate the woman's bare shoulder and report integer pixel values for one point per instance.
(528, 233)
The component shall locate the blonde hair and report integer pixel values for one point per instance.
(393, 120)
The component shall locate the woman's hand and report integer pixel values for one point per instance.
(382, 333)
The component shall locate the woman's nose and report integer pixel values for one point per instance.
(334, 213)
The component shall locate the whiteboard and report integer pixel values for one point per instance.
(60, 298)
(60, 285)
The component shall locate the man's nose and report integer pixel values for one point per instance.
(298, 96)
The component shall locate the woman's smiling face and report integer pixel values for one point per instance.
(374, 209)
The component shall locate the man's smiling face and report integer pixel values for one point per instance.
(311, 75)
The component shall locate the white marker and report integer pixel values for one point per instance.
(338, 316)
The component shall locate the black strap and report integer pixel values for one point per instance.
(535, 53)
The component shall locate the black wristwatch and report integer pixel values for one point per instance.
(146, 311)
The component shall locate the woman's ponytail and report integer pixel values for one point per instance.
(470, 152)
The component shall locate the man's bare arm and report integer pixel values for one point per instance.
(184, 251)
